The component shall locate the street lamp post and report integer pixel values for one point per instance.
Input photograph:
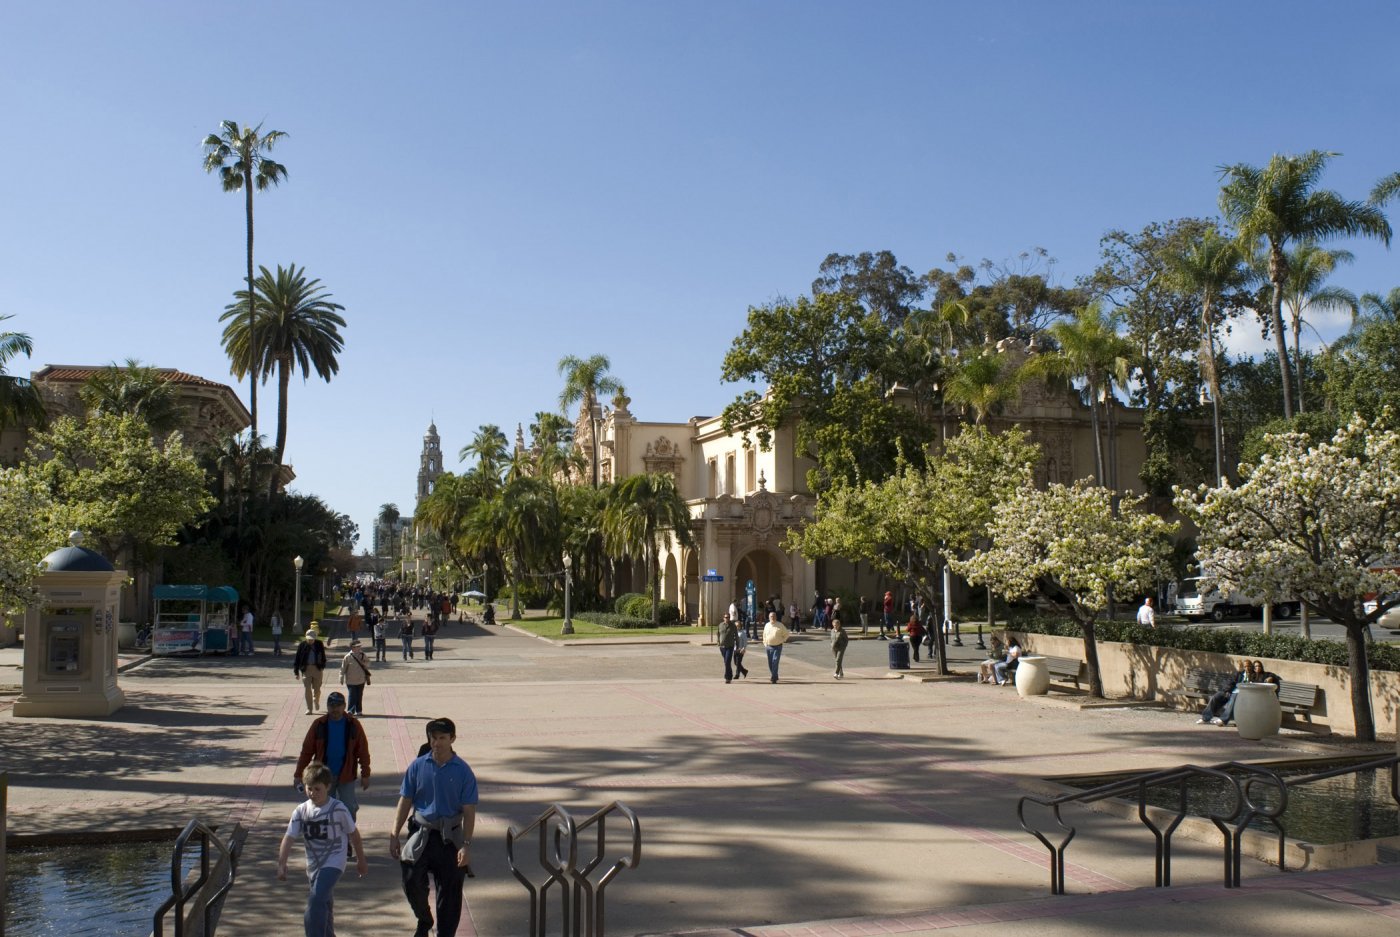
(568, 596)
(296, 615)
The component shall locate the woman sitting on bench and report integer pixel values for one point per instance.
(1001, 668)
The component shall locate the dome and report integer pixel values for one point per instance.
(75, 559)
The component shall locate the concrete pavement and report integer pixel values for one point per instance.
(869, 805)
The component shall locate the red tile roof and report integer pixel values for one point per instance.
(70, 373)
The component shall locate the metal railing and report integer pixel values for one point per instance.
(1246, 782)
(581, 898)
(182, 892)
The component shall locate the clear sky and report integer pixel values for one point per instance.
(487, 187)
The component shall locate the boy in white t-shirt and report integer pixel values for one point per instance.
(325, 826)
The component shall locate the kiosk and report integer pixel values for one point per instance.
(194, 620)
(70, 638)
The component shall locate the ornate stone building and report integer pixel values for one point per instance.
(416, 565)
(743, 501)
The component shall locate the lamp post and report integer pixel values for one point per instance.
(296, 614)
(568, 596)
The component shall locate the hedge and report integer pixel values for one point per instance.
(1221, 641)
(614, 620)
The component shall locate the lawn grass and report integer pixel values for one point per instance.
(550, 628)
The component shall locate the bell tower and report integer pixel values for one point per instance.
(429, 464)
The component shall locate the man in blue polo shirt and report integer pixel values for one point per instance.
(438, 802)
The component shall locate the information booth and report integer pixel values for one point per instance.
(194, 620)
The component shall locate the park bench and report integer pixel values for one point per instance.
(1294, 698)
(1065, 669)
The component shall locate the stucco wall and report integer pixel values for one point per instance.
(1145, 672)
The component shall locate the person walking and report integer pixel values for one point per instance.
(245, 631)
(741, 644)
(1147, 615)
(839, 640)
(275, 623)
(308, 665)
(775, 635)
(354, 676)
(728, 636)
(338, 741)
(864, 615)
(329, 833)
(406, 636)
(887, 617)
(438, 801)
(430, 630)
(380, 649)
(916, 634)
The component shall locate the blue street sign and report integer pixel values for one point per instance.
(711, 577)
(711, 572)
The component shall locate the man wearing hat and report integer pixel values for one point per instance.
(308, 665)
(337, 740)
(354, 676)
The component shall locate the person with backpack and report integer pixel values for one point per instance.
(728, 637)
(309, 665)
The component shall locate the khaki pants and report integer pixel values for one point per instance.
(311, 679)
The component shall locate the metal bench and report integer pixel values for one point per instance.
(1065, 669)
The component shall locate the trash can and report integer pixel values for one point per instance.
(899, 655)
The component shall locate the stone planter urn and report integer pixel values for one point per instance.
(1257, 712)
(1032, 675)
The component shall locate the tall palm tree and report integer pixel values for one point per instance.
(492, 452)
(1377, 308)
(584, 380)
(643, 514)
(240, 156)
(1088, 349)
(1309, 266)
(134, 388)
(19, 398)
(1211, 268)
(297, 329)
(389, 516)
(1280, 204)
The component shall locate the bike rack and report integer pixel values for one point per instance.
(558, 856)
(180, 892)
(1247, 782)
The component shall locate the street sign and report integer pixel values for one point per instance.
(712, 572)
(711, 577)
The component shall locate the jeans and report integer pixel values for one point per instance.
(407, 646)
(999, 671)
(428, 646)
(840, 660)
(728, 654)
(380, 651)
(739, 667)
(245, 642)
(775, 654)
(356, 703)
(344, 791)
(439, 859)
(277, 643)
(914, 640)
(319, 919)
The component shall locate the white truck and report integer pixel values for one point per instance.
(1218, 606)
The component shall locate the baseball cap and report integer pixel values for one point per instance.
(336, 699)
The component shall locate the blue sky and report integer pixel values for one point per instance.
(487, 187)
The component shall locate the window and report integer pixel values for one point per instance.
(750, 471)
(729, 479)
(714, 478)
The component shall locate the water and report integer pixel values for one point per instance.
(109, 890)
(1336, 810)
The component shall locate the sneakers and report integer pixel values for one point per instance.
(1217, 721)
(308, 712)
(1200, 722)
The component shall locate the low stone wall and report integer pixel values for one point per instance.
(1146, 672)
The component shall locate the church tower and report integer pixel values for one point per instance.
(429, 464)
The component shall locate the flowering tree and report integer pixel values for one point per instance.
(908, 525)
(25, 529)
(1315, 522)
(1068, 545)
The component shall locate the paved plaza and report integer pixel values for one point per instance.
(814, 807)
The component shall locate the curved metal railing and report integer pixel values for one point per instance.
(182, 891)
(581, 898)
(1258, 793)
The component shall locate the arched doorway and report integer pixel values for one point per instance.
(768, 574)
(692, 585)
(670, 581)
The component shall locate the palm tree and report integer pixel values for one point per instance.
(492, 452)
(1211, 268)
(584, 380)
(1281, 203)
(642, 515)
(1309, 265)
(19, 398)
(983, 382)
(1089, 349)
(240, 156)
(137, 389)
(1373, 307)
(385, 521)
(297, 330)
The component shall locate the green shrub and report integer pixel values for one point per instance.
(623, 601)
(1216, 640)
(667, 612)
(531, 595)
(614, 620)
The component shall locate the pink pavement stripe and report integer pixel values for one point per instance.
(247, 809)
(405, 750)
